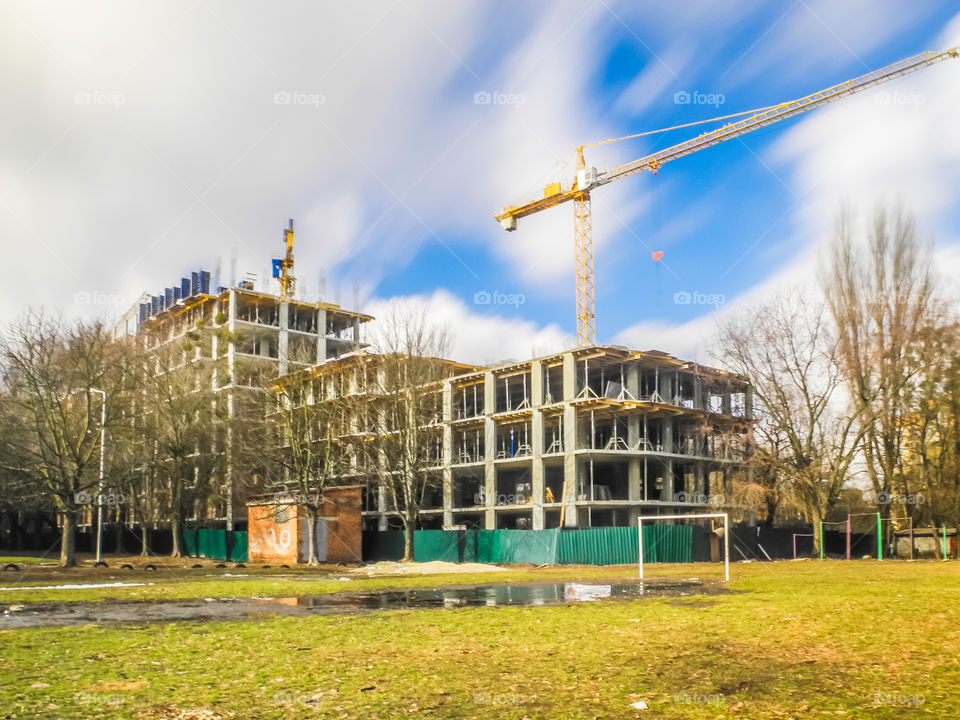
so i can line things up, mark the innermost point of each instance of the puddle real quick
(535, 594)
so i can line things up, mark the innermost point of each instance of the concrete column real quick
(569, 496)
(321, 336)
(667, 493)
(666, 385)
(700, 489)
(382, 504)
(536, 383)
(284, 338)
(748, 403)
(490, 451)
(632, 380)
(569, 377)
(634, 467)
(537, 480)
(356, 333)
(446, 413)
(232, 327)
(231, 370)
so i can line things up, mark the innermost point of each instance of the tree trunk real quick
(409, 526)
(68, 540)
(176, 529)
(312, 539)
(144, 539)
(817, 529)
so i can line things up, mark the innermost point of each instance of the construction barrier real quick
(216, 544)
(581, 546)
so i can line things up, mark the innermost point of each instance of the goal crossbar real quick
(693, 516)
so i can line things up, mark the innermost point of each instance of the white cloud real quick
(478, 337)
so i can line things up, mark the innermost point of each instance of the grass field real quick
(804, 640)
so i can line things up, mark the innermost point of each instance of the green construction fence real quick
(582, 546)
(216, 544)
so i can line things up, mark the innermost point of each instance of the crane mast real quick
(288, 282)
(587, 178)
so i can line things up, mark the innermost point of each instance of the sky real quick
(141, 141)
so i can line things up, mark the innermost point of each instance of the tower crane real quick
(283, 267)
(588, 178)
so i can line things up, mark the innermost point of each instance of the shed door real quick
(321, 527)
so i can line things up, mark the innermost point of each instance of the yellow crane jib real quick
(587, 177)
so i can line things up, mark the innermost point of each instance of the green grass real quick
(802, 640)
(27, 560)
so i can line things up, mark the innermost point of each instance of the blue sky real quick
(140, 144)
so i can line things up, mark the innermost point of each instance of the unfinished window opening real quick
(603, 481)
(603, 380)
(433, 492)
(552, 483)
(513, 392)
(553, 434)
(468, 446)
(513, 440)
(514, 521)
(514, 487)
(468, 488)
(552, 384)
(468, 401)
(258, 313)
(302, 319)
(302, 350)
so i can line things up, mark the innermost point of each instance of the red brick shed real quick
(277, 530)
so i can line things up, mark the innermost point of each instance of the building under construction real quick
(594, 436)
(267, 335)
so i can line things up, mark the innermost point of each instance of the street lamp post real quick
(103, 441)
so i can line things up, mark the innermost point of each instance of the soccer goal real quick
(726, 534)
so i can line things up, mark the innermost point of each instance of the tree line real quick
(182, 441)
(858, 381)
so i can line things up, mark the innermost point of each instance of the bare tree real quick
(931, 434)
(880, 295)
(405, 400)
(182, 417)
(52, 417)
(806, 441)
(304, 447)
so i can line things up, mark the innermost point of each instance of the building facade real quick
(587, 437)
(254, 337)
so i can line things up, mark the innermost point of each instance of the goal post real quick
(693, 516)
